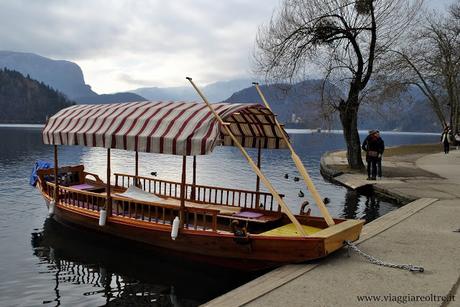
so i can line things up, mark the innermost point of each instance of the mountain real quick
(298, 106)
(215, 92)
(24, 100)
(110, 98)
(64, 76)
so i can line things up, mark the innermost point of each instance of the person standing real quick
(373, 146)
(381, 147)
(457, 140)
(445, 139)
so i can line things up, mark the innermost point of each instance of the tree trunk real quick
(456, 109)
(349, 119)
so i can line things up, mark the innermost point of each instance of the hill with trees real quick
(299, 106)
(64, 76)
(24, 100)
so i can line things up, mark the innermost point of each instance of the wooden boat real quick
(247, 229)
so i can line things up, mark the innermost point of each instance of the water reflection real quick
(350, 208)
(364, 206)
(119, 273)
(372, 209)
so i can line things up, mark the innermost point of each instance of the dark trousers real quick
(372, 167)
(446, 146)
(379, 167)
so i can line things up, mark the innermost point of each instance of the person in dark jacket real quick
(374, 146)
(445, 136)
(379, 157)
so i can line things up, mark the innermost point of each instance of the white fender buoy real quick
(175, 228)
(51, 207)
(102, 217)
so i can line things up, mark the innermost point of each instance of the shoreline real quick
(421, 232)
(22, 125)
(289, 130)
(334, 168)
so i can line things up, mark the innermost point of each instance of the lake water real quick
(43, 263)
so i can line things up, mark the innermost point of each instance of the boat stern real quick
(335, 236)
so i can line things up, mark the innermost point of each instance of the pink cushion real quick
(248, 214)
(82, 186)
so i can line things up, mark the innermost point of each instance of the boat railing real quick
(78, 198)
(201, 193)
(154, 212)
(67, 175)
(160, 213)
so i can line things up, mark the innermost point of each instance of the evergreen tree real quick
(24, 100)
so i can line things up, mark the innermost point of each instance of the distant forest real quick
(24, 100)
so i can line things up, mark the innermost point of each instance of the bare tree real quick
(407, 66)
(344, 39)
(430, 60)
(445, 62)
(450, 46)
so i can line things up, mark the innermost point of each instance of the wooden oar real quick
(259, 173)
(302, 170)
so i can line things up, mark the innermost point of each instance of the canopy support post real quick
(183, 191)
(109, 197)
(257, 177)
(251, 162)
(136, 171)
(192, 192)
(301, 168)
(56, 182)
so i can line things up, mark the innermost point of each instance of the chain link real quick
(371, 259)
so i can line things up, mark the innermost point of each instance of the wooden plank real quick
(334, 236)
(338, 228)
(261, 285)
(352, 181)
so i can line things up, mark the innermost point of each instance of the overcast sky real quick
(126, 44)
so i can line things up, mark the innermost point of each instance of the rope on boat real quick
(372, 259)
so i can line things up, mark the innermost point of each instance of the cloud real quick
(127, 44)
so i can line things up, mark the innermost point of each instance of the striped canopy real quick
(178, 128)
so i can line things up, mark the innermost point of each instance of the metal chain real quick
(371, 259)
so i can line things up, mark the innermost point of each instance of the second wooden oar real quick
(302, 170)
(259, 173)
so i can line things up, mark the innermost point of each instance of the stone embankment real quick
(425, 231)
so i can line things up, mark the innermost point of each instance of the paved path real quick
(424, 232)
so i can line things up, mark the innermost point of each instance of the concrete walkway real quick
(425, 232)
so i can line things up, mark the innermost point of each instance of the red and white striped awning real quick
(178, 128)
